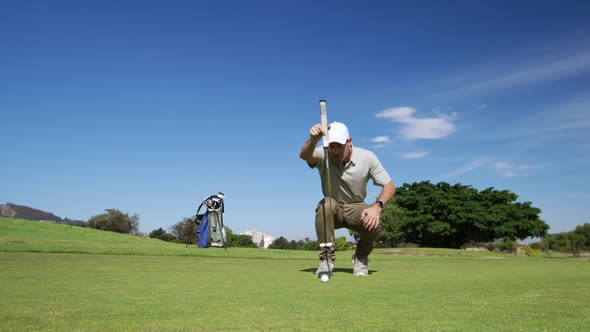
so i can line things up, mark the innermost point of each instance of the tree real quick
(300, 245)
(162, 235)
(231, 239)
(311, 245)
(114, 221)
(157, 233)
(245, 241)
(574, 242)
(185, 230)
(444, 215)
(392, 233)
(565, 242)
(584, 232)
(280, 243)
(341, 244)
(239, 240)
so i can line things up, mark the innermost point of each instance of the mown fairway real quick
(118, 282)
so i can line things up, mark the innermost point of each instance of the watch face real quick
(380, 204)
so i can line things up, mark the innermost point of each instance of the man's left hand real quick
(370, 218)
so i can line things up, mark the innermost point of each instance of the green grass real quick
(55, 277)
(30, 236)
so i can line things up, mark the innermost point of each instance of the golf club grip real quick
(324, 121)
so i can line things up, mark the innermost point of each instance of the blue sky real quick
(150, 106)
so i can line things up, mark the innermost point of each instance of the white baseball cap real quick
(338, 133)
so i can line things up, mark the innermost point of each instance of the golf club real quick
(328, 242)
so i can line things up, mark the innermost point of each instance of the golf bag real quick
(210, 224)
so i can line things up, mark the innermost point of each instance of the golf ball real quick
(325, 278)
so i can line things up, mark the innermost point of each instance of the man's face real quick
(340, 152)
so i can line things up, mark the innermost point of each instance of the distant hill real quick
(24, 212)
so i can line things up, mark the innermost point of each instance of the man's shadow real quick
(336, 269)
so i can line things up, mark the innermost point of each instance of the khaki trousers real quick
(331, 215)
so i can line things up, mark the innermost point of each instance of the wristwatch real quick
(380, 204)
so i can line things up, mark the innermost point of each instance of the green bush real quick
(341, 244)
(529, 251)
(162, 235)
(311, 245)
(506, 246)
(114, 221)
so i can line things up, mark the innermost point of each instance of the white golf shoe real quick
(361, 266)
(325, 267)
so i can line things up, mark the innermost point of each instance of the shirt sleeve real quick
(320, 154)
(378, 173)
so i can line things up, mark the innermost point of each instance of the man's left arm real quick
(371, 215)
(386, 193)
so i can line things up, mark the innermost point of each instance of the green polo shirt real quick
(349, 182)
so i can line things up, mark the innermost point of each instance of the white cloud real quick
(567, 119)
(502, 168)
(471, 166)
(549, 71)
(414, 155)
(509, 170)
(419, 128)
(569, 116)
(381, 139)
(501, 77)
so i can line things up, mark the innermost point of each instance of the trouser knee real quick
(364, 246)
(329, 204)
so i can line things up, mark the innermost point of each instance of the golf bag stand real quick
(210, 224)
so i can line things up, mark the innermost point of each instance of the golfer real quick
(350, 168)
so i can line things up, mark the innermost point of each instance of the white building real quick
(261, 239)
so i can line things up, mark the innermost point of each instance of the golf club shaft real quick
(326, 144)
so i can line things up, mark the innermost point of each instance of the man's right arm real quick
(308, 150)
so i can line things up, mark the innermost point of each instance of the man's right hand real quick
(308, 150)
(316, 132)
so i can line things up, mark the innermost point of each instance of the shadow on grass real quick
(336, 270)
